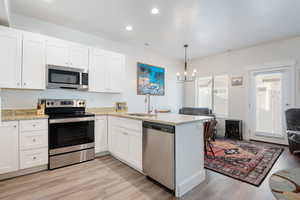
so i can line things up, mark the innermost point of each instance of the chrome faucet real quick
(147, 102)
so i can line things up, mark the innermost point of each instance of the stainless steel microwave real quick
(66, 78)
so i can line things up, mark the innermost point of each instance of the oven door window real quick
(70, 134)
(64, 77)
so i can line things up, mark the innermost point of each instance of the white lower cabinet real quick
(23, 144)
(101, 134)
(9, 148)
(125, 140)
(33, 158)
(33, 142)
(135, 149)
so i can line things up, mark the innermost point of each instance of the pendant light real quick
(186, 77)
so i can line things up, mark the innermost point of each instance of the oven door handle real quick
(67, 120)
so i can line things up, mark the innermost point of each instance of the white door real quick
(114, 73)
(9, 152)
(98, 63)
(101, 134)
(57, 53)
(11, 58)
(34, 62)
(78, 56)
(122, 144)
(272, 92)
(135, 149)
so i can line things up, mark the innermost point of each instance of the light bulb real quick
(195, 71)
(185, 73)
(177, 74)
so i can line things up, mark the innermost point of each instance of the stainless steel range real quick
(71, 132)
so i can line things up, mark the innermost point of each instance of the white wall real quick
(13, 99)
(236, 63)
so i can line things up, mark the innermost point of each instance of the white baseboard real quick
(190, 183)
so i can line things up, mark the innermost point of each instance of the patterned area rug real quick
(246, 161)
(285, 184)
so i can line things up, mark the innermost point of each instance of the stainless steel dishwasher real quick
(159, 153)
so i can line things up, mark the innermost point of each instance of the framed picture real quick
(150, 80)
(237, 81)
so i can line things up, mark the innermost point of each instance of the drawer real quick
(130, 124)
(33, 158)
(33, 125)
(33, 140)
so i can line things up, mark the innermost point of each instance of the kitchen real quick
(149, 100)
(64, 70)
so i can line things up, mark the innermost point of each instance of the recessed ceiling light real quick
(155, 11)
(129, 28)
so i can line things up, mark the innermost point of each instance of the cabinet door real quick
(57, 53)
(101, 134)
(33, 70)
(135, 149)
(9, 156)
(98, 63)
(122, 144)
(115, 73)
(78, 56)
(112, 140)
(11, 58)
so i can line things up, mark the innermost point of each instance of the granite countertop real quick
(25, 114)
(166, 118)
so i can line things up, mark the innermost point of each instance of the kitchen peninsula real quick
(125, 136)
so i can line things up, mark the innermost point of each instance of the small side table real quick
(234, 129)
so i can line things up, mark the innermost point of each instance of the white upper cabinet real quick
(106, 71)
(33, 70)
(115, 72)
(10, 58)
(78, 56)
(63, 53)
(9, 149)
(97, 70)
(57, 52)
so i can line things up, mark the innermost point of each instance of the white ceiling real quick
(208, 26)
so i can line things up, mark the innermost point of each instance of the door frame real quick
(275, 66)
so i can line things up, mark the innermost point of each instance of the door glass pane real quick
(269, 103)
(205, 92)
(221, 95)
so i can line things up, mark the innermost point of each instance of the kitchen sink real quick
(141, 114)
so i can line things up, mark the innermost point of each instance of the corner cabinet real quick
(106, 70)
(9, 144)
(125, 140)
(11, 58)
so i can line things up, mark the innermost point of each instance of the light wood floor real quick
(107, 178)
